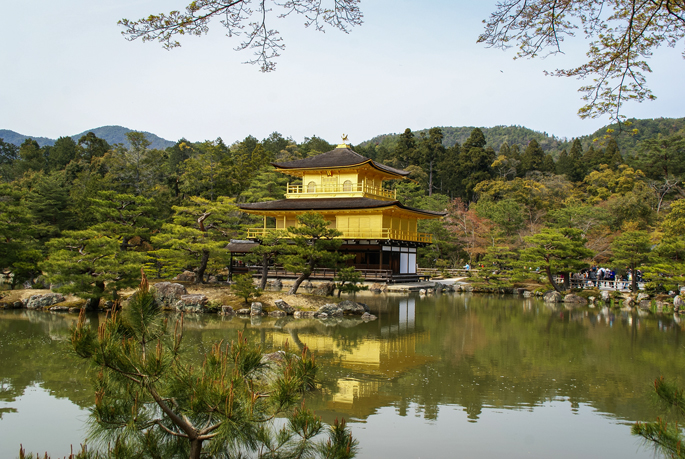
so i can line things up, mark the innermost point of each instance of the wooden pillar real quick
(230, 267)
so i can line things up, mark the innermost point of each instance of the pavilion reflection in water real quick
(372, 360)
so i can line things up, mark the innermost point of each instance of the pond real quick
(435, 376)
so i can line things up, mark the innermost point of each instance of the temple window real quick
(347, 185)
(311, 187)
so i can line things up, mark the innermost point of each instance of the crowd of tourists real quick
(600, 277)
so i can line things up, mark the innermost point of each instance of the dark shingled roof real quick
(241, 246)
(339, 157)
(319, 204)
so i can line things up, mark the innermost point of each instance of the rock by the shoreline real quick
(277, 314)
(256, 309)
(275, 285)
(552, 297)
(378, 288)
(326, 289)
(642, 296)
(527, 294)
(304, 314)
(330, 310)
(575, 299)
(367, 317)
(605, 295)
(677, 303)
(283, 306)
(43, 301)
(243, 312)
(59, 309)
(226, 310)
(186, 276)
(191, 303)
(350, 307)
(167, 294)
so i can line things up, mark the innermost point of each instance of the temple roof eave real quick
(339, 158)
(333, 205)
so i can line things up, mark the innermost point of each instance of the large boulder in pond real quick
(285, 307)
(350, 307)
(330, 309)
(552, 297)
(168, 293)
(191, 303)
(43, 301)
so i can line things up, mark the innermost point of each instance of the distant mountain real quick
(112, 134)
(495, 136)
(17, 139)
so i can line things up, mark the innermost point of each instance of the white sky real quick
(66, 68)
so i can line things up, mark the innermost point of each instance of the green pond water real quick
(452, 375)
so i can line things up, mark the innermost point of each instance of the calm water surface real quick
(434, 377)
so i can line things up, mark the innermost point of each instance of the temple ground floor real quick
(379, 261)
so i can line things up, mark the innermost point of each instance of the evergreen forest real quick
(84, 214)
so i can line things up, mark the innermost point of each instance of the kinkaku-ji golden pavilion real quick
(347, 189)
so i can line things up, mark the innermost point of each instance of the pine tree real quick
(152, 402)
(19, 248)
(631, 249)
(665, 437)
(197, 237)
(348, 280)
(244, 287)
(266, 253)
(106, 257)
(313, 246)
(556, 251)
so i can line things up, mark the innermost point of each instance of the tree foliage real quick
(245, 18)
(153, 402)
(624, 35)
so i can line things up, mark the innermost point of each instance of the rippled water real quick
(440, 376)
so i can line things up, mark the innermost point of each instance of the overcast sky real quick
(66, 68)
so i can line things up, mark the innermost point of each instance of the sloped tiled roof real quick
(319, 204)
(339, 157)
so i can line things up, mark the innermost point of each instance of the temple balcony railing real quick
(346, 189)
(382, 234)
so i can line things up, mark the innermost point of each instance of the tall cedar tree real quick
(474, 164)
(151, 402)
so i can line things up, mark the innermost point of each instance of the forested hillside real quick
(628, 136)
(87, 214)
